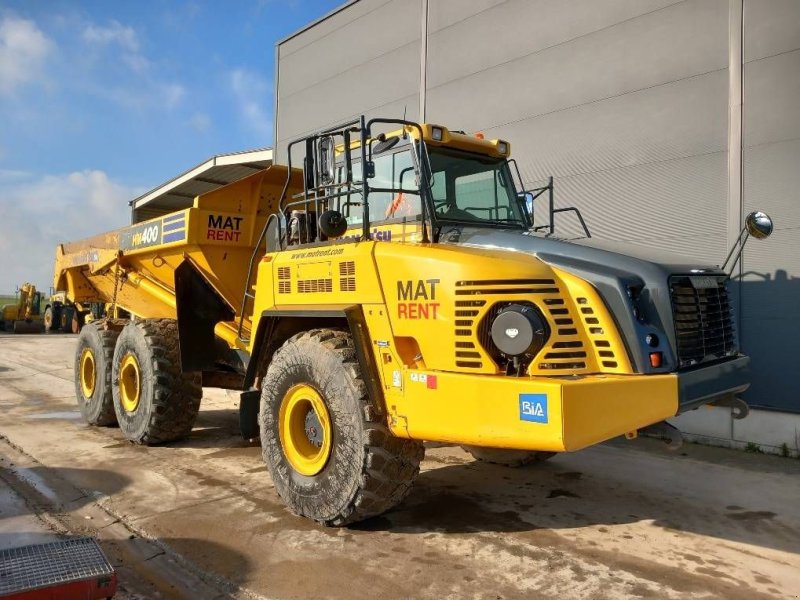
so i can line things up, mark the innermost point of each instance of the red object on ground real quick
(73, 569)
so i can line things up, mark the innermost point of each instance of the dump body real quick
(134, 267)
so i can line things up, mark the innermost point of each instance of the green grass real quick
(7, 299)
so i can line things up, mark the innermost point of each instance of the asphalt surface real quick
(199, 518)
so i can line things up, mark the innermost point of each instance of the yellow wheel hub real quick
(88, 372)
(305, 430)
(130, 384)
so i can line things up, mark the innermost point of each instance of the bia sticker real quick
(533, 408)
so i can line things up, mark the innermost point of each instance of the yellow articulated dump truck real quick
(393, 289)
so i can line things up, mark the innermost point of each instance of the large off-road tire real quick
(325, 442)
(154, 401)
(508, 458)
(51, 319)
(93, 383)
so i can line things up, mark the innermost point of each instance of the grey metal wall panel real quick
(672, 205)
(667, 122)
(341, 68)
(376, 83)
(465, 40)
(770, 289)
(772, 98)
(679, 41)
(771, 27)
(626, 107)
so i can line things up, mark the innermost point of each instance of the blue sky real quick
(101, 101)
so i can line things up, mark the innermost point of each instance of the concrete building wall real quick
(664, 121)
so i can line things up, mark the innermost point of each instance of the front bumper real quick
(527, 413)
(549, 413)
(703, 385)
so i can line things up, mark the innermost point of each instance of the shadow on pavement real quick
(477, 497)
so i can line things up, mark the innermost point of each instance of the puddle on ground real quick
(61, 414)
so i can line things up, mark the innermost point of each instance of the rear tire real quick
(508, 458)
(93, 387)
(364, 470)
(50, 319)
(155, 402)
(77, 321)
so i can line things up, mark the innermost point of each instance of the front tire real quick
(325, 442)
(93, 383)
(508, 458)
(155, 402)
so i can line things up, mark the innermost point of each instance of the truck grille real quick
(703, 323)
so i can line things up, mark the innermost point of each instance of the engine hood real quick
(612, 268)
(601, 252)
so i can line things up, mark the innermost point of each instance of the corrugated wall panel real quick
(626, 107)
(342, 68)
(770, 291)
(469, 37)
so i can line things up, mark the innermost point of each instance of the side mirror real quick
(758, 224)
(327, 160)
(332, 224)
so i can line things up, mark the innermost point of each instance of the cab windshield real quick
(472, 188)
(466, 188)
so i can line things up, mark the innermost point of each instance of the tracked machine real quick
(24, 316)
(394, 289)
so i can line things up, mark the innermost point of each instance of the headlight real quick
(502, 147)
(519, 330)
(437, 134)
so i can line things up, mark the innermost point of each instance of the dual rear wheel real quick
(128, 373)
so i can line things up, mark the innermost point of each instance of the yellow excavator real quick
(25, 315)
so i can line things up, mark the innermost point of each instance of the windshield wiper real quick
(481, 222)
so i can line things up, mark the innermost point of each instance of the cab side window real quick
(392, 171)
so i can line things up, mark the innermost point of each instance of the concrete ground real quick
(200, 519)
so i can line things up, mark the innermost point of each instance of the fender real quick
(275, 326)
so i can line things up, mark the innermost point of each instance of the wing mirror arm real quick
(758, 225)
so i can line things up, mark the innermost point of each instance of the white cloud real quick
(113, 33)
(173, 93)
(200, 122)
(23, 51)
(37, 214)
(252, 94)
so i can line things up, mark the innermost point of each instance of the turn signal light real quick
(479, 135)
(656, 358)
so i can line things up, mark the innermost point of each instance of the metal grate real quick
(284, 277)
(347, 268)
(703, 323)
(347, 280)
(307, 286)
(45, 565)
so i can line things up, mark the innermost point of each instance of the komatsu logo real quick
(141, 236)
(148, 235)
(533, 408)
